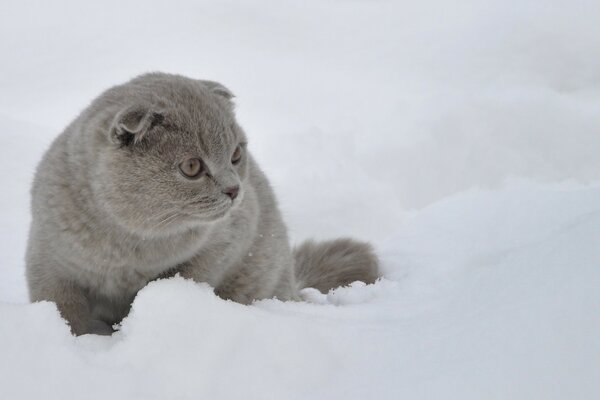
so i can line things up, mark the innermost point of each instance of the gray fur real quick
(111, 211)
(334, 263)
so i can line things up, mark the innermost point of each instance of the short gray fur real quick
(111, 210)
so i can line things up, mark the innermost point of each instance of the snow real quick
(461, 139)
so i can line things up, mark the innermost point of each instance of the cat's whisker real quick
(166, 221)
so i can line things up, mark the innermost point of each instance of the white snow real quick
(463, 139)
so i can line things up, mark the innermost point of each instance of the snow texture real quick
(461, 138)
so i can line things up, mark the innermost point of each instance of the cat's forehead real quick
(209, 122)
(196, 118)
(204, 132)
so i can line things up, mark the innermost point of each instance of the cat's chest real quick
(124, 266)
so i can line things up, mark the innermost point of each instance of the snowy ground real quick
(462, 139)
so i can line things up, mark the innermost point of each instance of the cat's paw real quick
(97, 327)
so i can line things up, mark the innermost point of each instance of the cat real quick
(155, 178)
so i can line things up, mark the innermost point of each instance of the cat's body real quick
(153, 179)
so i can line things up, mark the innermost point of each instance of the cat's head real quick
(173, 157)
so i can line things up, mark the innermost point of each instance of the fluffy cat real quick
(155, 178)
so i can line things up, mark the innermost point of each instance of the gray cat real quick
(155, 178)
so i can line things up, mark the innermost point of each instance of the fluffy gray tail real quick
(334, 263)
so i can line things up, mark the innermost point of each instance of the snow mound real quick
(487, 294)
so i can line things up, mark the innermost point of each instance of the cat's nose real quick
(232, 191)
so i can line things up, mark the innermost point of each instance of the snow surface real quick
(461, 138)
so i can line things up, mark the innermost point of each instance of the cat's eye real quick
(191, 168)
(237, 155)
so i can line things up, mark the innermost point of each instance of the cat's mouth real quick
(199, 211)
(208, 204)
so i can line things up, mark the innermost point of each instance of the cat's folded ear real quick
(218, 89)
(132, 123)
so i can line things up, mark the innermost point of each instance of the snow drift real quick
(488, 295)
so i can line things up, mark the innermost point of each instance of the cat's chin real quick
(213, 216)
(195, 219)
(186, 223)
(179, 223)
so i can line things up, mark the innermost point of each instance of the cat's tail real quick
(327, 265)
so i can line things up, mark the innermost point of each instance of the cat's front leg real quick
(226, 286)
(71, 301)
